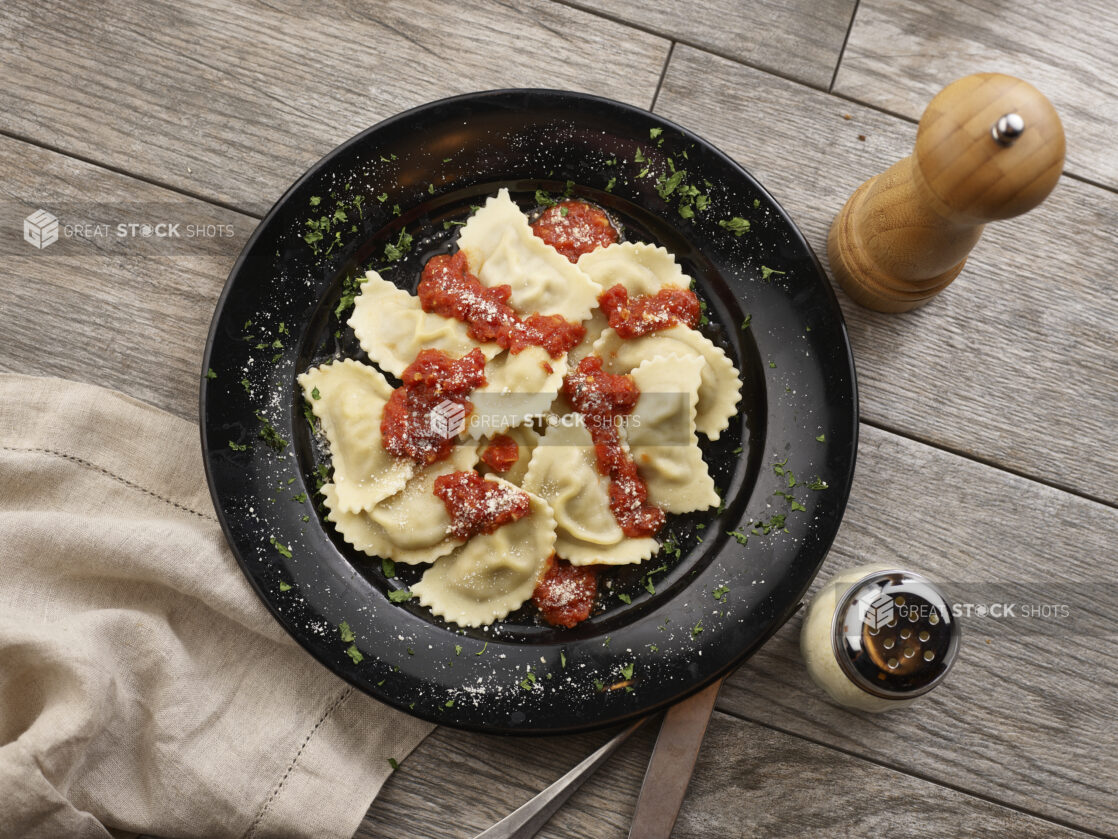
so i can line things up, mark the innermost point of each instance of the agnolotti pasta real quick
(411, 526)
(564, 471)
(661, 435)
(579, 493)
(349, 398)
(501, 249)
(720, 390)
(392, 327)
(493, 573)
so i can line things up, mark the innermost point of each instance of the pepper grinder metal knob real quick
(989, 147)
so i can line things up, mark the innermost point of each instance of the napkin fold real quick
(143, 686)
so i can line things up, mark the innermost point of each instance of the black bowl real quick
(725, 580)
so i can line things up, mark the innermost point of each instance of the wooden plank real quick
(1027, 715)
(800, 40)
(1016, 362)
(130, 314)
(234, 101)
(901, 54)
(749, 781)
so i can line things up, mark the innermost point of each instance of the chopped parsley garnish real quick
(449, 224)
(736, 225)
(458, 649)
(316, 200)
(563, 659)
(301, 498)
(346, 633)
(431, 189)
(737, 450)
(237, 447)
(720, 593)
(767, 272)
(210, 374)
(483, 649)
(382, 197)
(648, 586)
(742, 538)
(284, 586)
(529, 681)
(269, 434)
(394, 251)
(610, 185)
(563, 211)
(400, 595)
(393, 763)
(697, 629)
(796, 505)
(354, 654)
(388, 567)
(449, 703)
(247, 385)
(779, 467)
(653, 133)
(316, 394)
(351, 287)
(772, 364)
(624, 598)
(280, 547)
(639, 157)
(817, 484)
(545, 200)
(745, 323)
(627, 670)
(822, 438)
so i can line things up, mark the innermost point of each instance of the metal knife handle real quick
(672, 762)
(525, 821)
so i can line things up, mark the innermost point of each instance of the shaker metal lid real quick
(894, 634)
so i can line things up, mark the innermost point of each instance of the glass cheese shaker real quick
(876, 637)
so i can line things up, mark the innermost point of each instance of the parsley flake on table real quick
(393, 763)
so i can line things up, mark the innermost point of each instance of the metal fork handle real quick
(525, 821)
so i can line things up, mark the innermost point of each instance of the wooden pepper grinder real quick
(988, 147)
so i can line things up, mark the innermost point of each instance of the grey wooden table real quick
(989, 438)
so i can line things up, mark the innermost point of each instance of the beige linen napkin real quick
(143, 686)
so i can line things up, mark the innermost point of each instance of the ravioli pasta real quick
(387, 507)
(493, 573)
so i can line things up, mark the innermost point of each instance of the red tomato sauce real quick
(408, 426)
(574, 228)
(476, 505)
(501, 454)
(601, 398)
(449, 289)
(636, 316)
(565, 594)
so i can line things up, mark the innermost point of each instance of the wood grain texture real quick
(129, 314)
(800, 40)
(1026, 716)
(749, 781)
(1017, 362)
(233, 101)
(899, 55)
